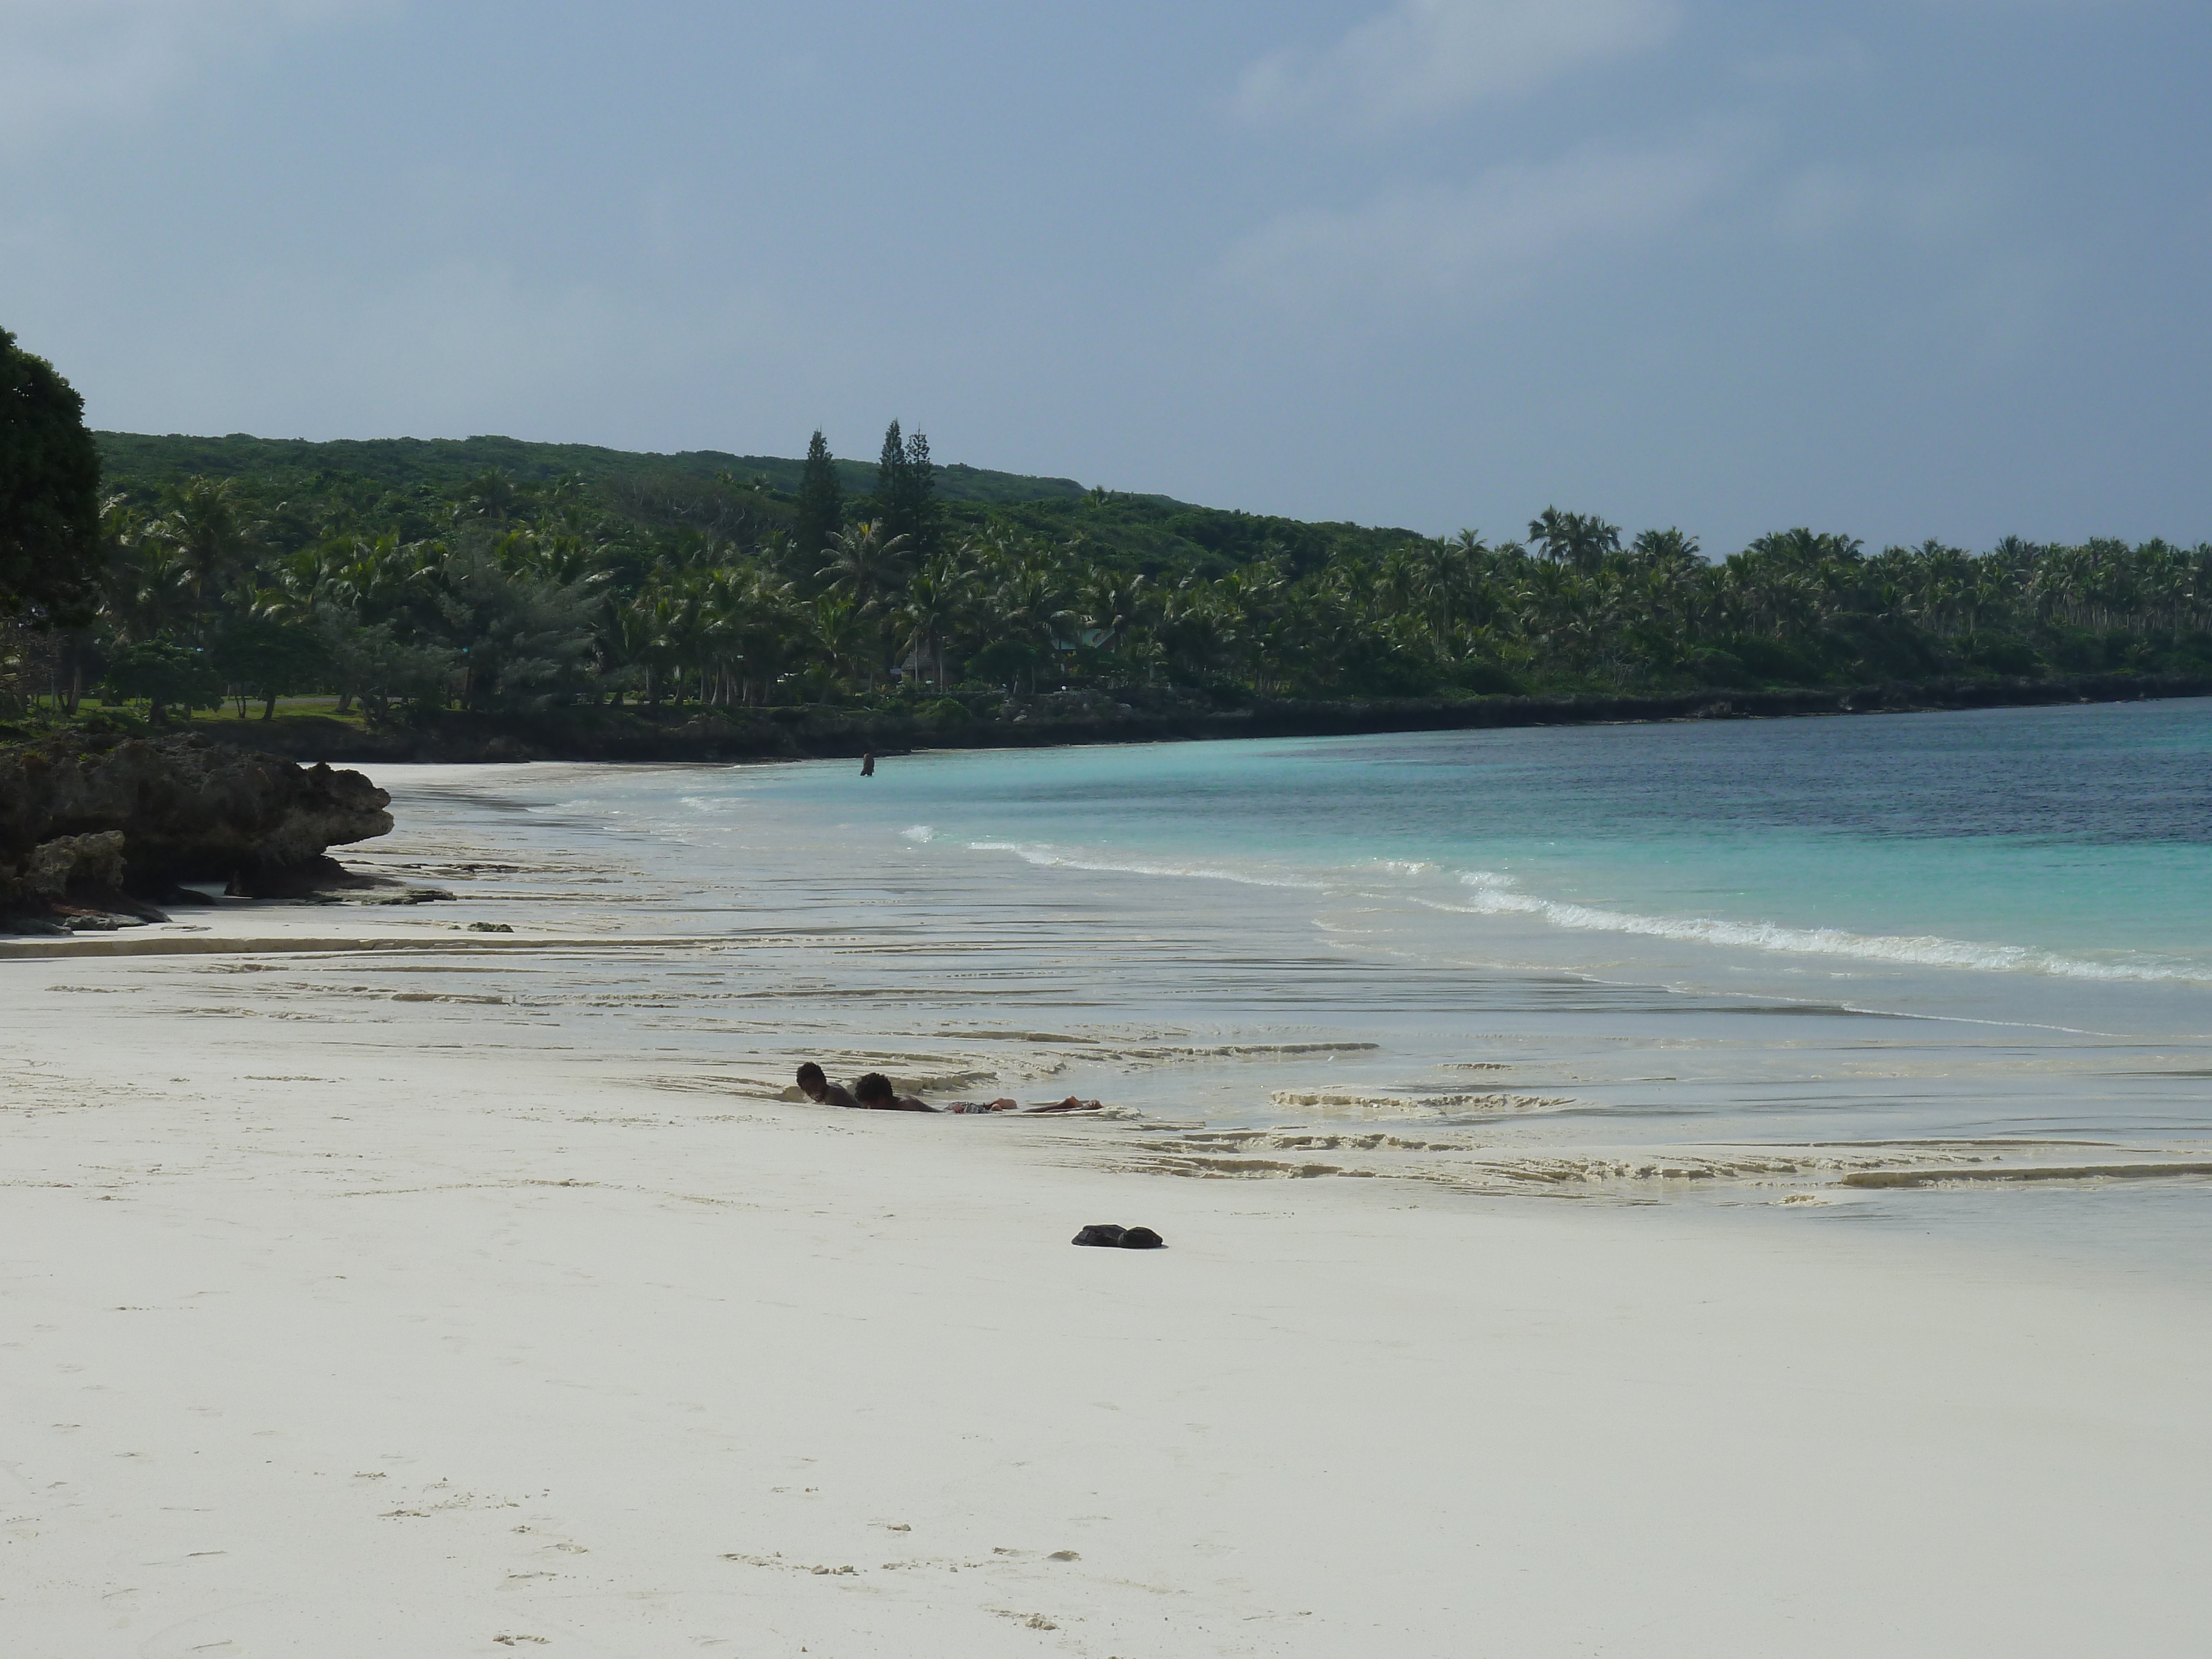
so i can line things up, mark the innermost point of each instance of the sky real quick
(1897, 268)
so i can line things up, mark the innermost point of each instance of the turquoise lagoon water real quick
(2070, 845)
(1754, 961)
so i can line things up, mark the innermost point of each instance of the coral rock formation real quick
(90, 817)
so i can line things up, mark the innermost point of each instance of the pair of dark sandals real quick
(1110, 1237)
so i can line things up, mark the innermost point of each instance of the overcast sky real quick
(1899, 268)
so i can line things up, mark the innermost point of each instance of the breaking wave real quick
(1492, 894)
(1046, 856)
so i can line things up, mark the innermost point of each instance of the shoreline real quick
(1068, 720)
(457, 1293)
(440, 1336)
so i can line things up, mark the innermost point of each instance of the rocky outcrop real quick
(91, 818)
(55, 866)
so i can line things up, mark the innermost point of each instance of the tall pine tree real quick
(821, 503)
(906, 489)
(922, 493)
(890, 481)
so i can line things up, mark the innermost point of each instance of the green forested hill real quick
(407, 575)
(143, 460)
(301, 492)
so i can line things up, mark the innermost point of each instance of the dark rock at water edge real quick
(322, 880)
(91, 825)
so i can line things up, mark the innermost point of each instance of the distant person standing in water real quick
(868, 764)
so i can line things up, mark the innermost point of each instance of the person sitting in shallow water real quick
(875, 1092)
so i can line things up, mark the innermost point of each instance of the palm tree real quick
(845, 638)
(1029, 607)
(670, 611)
(148, 586)
(1197, 632)
(864, 564)
(203, 528)
(1579, 539)
(770, 632)
(932, 601)
(491, 496)
(1255, 596)
(1114, 606)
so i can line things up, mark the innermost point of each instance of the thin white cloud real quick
(1482, 241)
(65, 61)
(1422, 60)
(1947, 197)
(1837, 57)
(1952, 218)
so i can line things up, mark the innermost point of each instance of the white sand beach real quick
(372, 1300)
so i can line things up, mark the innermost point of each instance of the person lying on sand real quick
(875, 1093)
(820, 1090)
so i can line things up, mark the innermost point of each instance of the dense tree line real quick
(495, 593)
(49, 491)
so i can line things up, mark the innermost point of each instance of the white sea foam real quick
(1492, 894)
(918, 832)
(1372, 1101)
(1046, 856)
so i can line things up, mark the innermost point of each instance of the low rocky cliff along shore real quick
(95, 831)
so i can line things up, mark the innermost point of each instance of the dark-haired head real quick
(872, 1088)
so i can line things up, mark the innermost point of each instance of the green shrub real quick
(164, 673)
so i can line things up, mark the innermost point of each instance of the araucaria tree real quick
(821, 503)
(50, 540)
(906, 490)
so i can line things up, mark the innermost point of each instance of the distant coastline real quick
(1132, 715)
